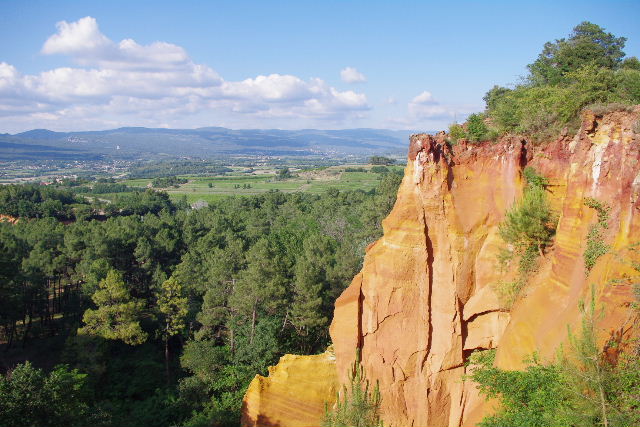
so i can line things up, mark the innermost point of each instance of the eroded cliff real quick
(426, 296)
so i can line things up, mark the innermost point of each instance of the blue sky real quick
(84, 65)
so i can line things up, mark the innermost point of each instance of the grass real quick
(314, 181)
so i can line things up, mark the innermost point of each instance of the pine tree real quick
(174, 306)
(359, 406)
(117, 314)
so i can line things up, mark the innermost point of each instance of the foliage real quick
(581, 388)
(258, 276)
(177, 167)
(596, 247)
(529, 222)
(283, 174)
(587, 45)
(528, 228)
(173, 305)
(380, 169)
(569, 75)
(456, 132)
(36, 201)
(168, 181)
(586, 372)
(357, 407)
(29, 397)
(476, 128)
(532, 397)
(380, 160)
(117, 315)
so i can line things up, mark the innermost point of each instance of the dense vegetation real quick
(176, 167)
(527, 229)
(157, 314)
(359, 405)
(168, 181)
(37, 201)
(587, 69)
(582, 387)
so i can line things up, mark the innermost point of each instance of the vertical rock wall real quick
(425, 298)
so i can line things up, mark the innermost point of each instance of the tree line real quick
(160, 314)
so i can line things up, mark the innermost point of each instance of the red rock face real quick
(425, 297)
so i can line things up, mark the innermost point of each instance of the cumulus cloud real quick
(424, 106)
(129, 83)
(351, 75)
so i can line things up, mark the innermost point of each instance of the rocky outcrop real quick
(426, 296)
(294, 394)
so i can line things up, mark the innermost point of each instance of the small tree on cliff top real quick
(360, 406)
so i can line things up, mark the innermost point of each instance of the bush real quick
(380, 169)
(29, 397)
(359, 406)
(582, 388)
(380, 160)
(476, 128)
(568, 75)
(528, 227)
(456, 132)
(596, 247)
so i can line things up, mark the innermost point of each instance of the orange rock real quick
(426, 291)
(294, 394)
(425, 297)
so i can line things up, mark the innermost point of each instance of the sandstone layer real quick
(426, 296)
(294, 394)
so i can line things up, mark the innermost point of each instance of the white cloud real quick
(424, 106)
(127, 83)
(351, 75)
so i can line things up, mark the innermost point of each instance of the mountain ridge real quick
(132, 142)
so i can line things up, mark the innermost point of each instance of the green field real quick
(317, 181)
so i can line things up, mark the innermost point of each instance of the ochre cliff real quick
(294, 394)
(425, 298)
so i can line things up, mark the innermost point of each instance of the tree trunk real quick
(27, 329)
(166, 355)
(253, 323)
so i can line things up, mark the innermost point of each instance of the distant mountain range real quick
(139, 142)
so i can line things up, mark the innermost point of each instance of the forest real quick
(147, 312)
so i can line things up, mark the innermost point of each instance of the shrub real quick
(596, 247)
(527, 228)
(380, 169)
(476, 128)
(604, 108)
(360, 406)
(528, 398)
(529, 222)
(568, 75)
(456, 132)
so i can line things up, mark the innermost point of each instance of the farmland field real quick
(210, 188)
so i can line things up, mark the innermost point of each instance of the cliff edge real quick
(426, 297)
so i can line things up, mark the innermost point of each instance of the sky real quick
(91, 65)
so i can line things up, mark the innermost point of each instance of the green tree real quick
(588, 44)
(476, 128)
(380, 160)
(174, 306)
(359, 406)
(117, 314)
(456, 132)
(29, 397)
(530, 221)
(534, 397)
